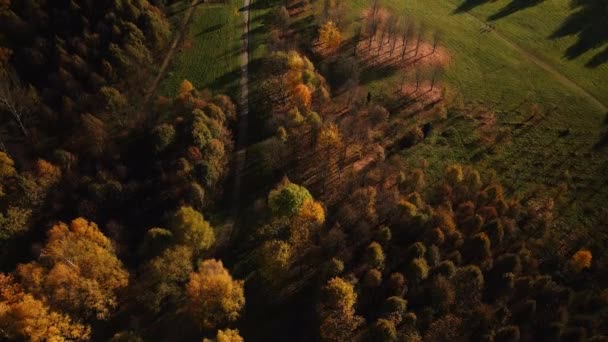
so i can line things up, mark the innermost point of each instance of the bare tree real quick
(16, 100)
(392, 30)
(356, 39)
(421, 33)
(437, 74)
(408, 35)
(437, 37)
(418, 76)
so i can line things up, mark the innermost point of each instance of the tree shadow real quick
(588, 23)
(512, 7)
(468, 5)
(210, 29)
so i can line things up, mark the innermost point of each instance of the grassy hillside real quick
(210, 54)
(537, 28)
(495, 70)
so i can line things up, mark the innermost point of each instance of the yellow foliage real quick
(228, 335)
(329, 34)
(295, 61)
(185, 87)
(23, 316)
(81, 273)
(581, 259)
(312, 211)
(46, 172)
(7, 166)
(302, 95)
(309, 217)
(409, 207)
(213, 296)
(330, 137)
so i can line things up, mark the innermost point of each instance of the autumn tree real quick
(190, 228)
(337, 311)
(213, 296)
(23, 317)
(78, 271)
(581, 260)
(163, 278)
(226, 335)
(274, 258)
(329, 35)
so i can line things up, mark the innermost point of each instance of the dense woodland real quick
(116, 213)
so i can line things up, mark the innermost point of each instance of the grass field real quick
(485, 70)
(209, 57)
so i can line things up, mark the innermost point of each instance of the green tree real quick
(163, 278)
(189, 227)
(287, 198)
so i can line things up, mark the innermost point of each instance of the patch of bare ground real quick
(379, 51)
(425, 92)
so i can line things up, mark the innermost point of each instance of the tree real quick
(24, 317)
(581, 260)
(302, 96)
(213, 296)
(330, 35)
(7, 171)
(421, 33)
(418, 270)
(287, 198)
(190, 228)
(337, 311)
(384, 331)
(468, 283)
(283, 18)
(226, 335)
(185, 87)
(78, 271)
(163, 278)
(274, 259)
(375, 256)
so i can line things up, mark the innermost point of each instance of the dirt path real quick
(182, 30)
(241, 141)
(563, 79)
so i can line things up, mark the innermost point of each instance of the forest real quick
(303, 170)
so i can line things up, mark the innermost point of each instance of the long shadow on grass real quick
(512, 7)
(468, 5)
(588, 23)
(260, 5)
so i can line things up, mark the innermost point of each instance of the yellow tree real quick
(337, 310)
(78, 273)
(329, 34)
(310, 216)
(226, 335)
(185, 87)
(274, 260)
(213, 296)
(7, 171)
(23, 317)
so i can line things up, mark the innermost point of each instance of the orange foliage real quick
(23, 316)
(185, 87)
(47, 173)
(330, 35)
(581, 259)
(302, 95)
